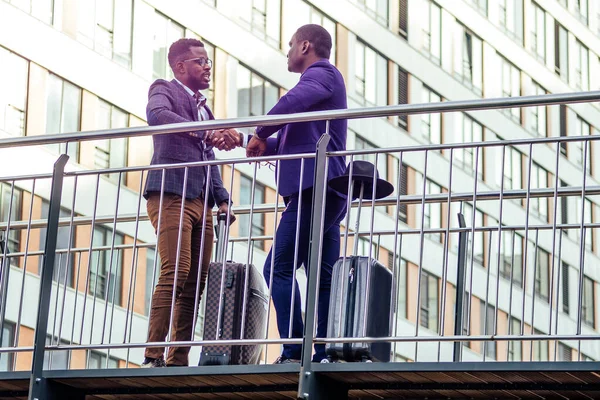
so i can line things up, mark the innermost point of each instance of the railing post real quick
(460, 287)
(306, 375)
(38, 388)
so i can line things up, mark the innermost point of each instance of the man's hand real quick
(224, 209)
(225, 139)
(256, 147)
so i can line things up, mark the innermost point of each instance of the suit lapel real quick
(191, 102)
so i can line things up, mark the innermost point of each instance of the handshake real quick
(229, 139)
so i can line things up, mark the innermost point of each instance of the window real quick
(487, 322)
(563, 127)
(11, 203)
(403, 19)
(511, 18)
(371, 71)
(256, 95)
(480, 5)
(561, 51)
(262, 18)
(47, 11)
(513, 167)
(432, 31)
(151, 278)
(576, 149)
(166, 32)
(402, 288)
(103, 273)
(13, 93)
(512, 257)
(429, 301)
(539, 180)
(538, 115)
(476, 240)
(588, 311)
(540, 348)
(99, 361)
(542, 273)
(581, 10)
(361, 143)
(111, 153)
(8, 338)
(402, 96)
(64, 261)
(56, 359)
(515, 347)
(468, 59)
(63, 113)
(106, 26)
(581, 73)
(376, 9)
(396, 169)
(565, 287)
(431, 124)
(258, 219)
(469, 158)
(511, 87)
(564, 353)
(537, 31)
(317, 17)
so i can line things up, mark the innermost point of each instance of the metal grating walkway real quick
(477, 380)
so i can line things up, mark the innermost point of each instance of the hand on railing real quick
(256, 147)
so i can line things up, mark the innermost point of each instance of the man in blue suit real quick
(321, 87)
(171, 102)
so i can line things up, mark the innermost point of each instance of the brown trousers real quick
(187, 271)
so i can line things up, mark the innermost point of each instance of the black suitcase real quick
(236, 308)
(361, 289)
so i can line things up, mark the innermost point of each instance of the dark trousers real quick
(187, 271)
(283, 284)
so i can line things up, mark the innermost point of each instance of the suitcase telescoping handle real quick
(221, 231)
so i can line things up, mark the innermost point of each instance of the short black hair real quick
(180, 49)
(318, 37)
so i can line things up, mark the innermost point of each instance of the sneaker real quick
(285, 360)
(154, 362)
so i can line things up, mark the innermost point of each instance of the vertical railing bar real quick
(130, 328)
(422, 244)
(558, 305)
(110, 270)
(273, 247)
(535, 268)
(296, 249)
(510, 290)
(26, 258)
(178, 254)
(76, 285)
(553, 255)
(373, 197)
(133, 272)
(460, 286)
(156, 250)
(446, 255)
(499, 254)
(473, 213)
(203, 244)
(487, 294)
(247, 274)
(87, 362)
(396, 271)
(68, 262)
(346, 235)
(526, 239)
(90, 266)
(320, 180)
(37, 384)
(582, 250)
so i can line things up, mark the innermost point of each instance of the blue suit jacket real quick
(321, 87)
(169, 103)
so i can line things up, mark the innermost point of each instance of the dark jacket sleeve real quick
(315, 85)
(161, 106)
(218, 192)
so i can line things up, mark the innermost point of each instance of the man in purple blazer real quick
(321, 87)
(171, 102)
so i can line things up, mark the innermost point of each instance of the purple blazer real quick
(321, 87)
(169, 103)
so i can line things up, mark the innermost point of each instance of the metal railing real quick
(512, 283)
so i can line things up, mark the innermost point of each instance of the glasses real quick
(201, 61)
(269, 164)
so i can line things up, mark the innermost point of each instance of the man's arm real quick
(160, 109)
(315, 85)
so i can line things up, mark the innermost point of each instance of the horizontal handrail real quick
(368, 112)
